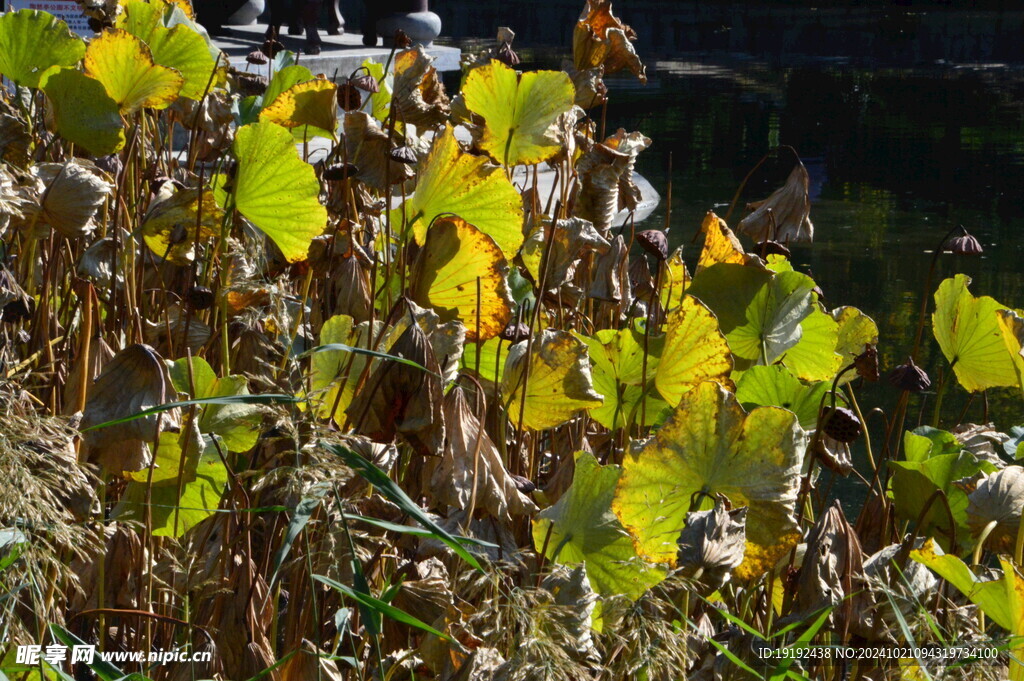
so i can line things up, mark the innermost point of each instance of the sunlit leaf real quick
(581, 528)
(617, 359)
(1011, 327)
(459, 272)
(695, 351)
(776, 386)
(519, 111)
(277, 190)
(170, 227)
(125, 66)
(83, 112)
(720, 244)
(31, 42)
(237, 425)
(710, 446)
(452, 181)
(199, 499)
(814, 357)
(675, 279)
(334, 371)
(856, 332)
(559, 385)
(967, 329)
(312, 103)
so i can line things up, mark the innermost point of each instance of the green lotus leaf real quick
(914, 481)
(1001, 598)
(776, 386)
(335, 374)
(172, 514)
(168, 459)
(581, 529)
(770, 317)
(695, 351)
(452, 181)
(237, 425)
(461, 274)
(967, 329)
(125, 66)
(710, 446)
(83, 112)
(1011, 327)
(519, 111)
(32, 42)
(277, 190)
(491, 362)
(617, 365)
(559, 385)
(185, 51)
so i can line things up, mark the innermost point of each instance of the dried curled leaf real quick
(72, 195)
(418, 96)
(600, 170)
(572, 239)
(712, 545)
(998, 498)
(470, 472)
(601, 39)
(369, 150)
(788, 209)
(133, 381)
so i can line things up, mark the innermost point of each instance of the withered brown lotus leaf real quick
(370, 150)
(14, 140)
(575, 601)
(998, 498)
(15, 304)
(125, 565)
(211, 118)
(350, 280)
(85, 369)
(610, 273)
(588, 83)
(447, 339)
(425, 593)
(133, 381)
(98, 262)
(398, 399)
(601, 39)
(832, 573)
(833, 455)
(311, 662)
(73, 193)
(470, 472)
(982, 440)
(655, 242)
(712, 544)
(418, 97)
(599, 172)
(12, 199)
(156, 332)
(571, 240)
(789, 207)
(631, 144)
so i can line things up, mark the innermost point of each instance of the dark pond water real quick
(897, 155)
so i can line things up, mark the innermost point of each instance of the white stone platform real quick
(341, 54)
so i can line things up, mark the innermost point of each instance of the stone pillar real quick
(384, 17)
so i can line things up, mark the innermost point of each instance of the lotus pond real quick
(397, 413)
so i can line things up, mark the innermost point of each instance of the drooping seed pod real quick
(654, 242)
(402, 39)
(507, 55)
(910, 377)
(257, 58)
(965, 244)
(271, 47)
(866, 363)
(841, 424)
(199, 298)
(338, 171)
(349, 98)
(403, 155)
(514, 333)
(366, 83)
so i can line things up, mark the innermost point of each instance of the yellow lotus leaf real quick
(277, 190)
(675, 279)
(559, 385)
(446, 273)
(313, 103)
(83, 112)
(519, 112)
(125, 66)
(1011, 326)
(334, 374)
(695, 351)
(967, 329)
(456, 182)
(710, 446)
(33, 42)
(720, 244)
(856, 332)
(170, 227)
